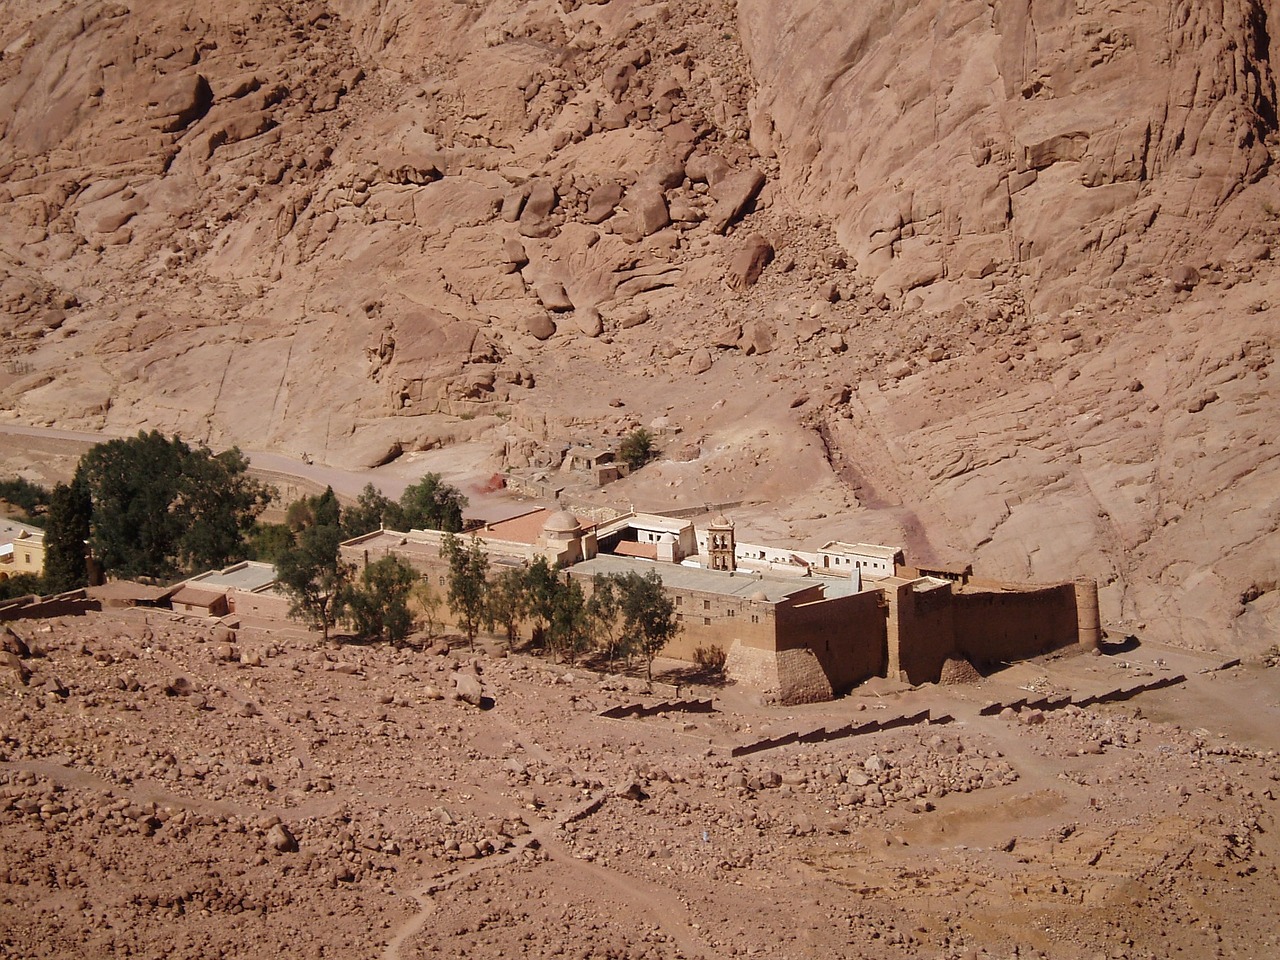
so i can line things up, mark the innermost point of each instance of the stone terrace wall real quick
(71, 604)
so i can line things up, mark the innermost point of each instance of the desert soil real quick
(168, 789)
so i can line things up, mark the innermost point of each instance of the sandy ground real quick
(167, 790)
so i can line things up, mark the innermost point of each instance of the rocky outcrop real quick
(1066, 144)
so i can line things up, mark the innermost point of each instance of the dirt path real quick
(424, 894)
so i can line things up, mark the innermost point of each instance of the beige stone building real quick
(21, 549)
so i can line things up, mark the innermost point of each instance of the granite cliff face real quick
(1076, 142)
(990, 279)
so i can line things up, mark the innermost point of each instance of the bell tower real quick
(720, 545)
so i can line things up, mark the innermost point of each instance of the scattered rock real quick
(749, 262)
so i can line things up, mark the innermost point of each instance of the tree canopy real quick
(648, 614)
(159, 508)
(468, 576)
(636, 448)
(377, 605)
(65, 539)
(432, 504)
(32, 499)
(313, 576)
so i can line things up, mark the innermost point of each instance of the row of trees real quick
(626, 615)
(155, 507)
(325, 590)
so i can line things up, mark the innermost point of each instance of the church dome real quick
(721, 521)
(562, 521)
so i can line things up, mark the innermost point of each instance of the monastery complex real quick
(798, 626)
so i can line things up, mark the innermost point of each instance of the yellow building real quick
(21, 549)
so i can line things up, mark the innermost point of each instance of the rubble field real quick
(170, 788)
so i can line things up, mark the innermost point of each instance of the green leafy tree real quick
(506, 603)
(269, 540)
(637, 448)
(468, 574)
(542, 581)
(66, 537)
(21, 585)
(30, 498)
(569, 633)
(648, 614)
(378, 604)
(314, 577)
(432, 504)
(320, 510)
(160, 508)
(219, 504)
(602, 609)
(428, 604)
(372, 511)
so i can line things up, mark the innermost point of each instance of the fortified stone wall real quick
(921, 631)
(1009, 625)
(787, 676)
(846, 634)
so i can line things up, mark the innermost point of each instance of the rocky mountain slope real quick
(991, 280)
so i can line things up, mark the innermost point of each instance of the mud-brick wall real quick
(921, 632)
(268, 605)
(1015, 624)
(846, 634)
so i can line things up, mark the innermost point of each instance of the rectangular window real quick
(679, 601)
(706, 604)
(706, 621)
(755, 618)
(731, 613)
(680, 617)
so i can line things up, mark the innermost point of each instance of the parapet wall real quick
(72, 604)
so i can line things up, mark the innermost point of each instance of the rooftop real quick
(196, 597)
(248, 576)
(863, 549)
(703, 580)
(13, 530)
(526, 528)
(644, 521)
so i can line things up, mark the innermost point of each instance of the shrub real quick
(710, 658)
(636, 448)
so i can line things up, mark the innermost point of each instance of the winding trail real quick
(663, 907)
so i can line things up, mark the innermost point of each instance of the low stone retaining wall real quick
(1057, 703)
(825, 735)
(72, 604)
(667, 706)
